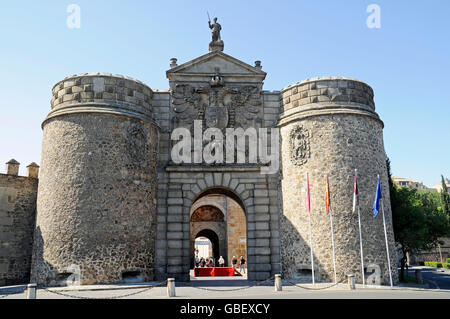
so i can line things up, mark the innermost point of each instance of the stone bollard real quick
(419, 278)
(30, 293)
(278, 283)
(171, 287)
(351, 282)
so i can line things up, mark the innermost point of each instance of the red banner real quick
(214, 271)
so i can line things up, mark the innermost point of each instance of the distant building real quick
(204, 247)
(409, 183)
(438, 186)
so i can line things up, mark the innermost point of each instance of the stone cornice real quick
(178, 70)
(214, 168)
(320, 109)
(104, 108)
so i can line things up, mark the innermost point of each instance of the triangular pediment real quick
(206, 64)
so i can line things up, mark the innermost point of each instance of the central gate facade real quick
(256, 192)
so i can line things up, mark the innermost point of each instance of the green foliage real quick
(418, 221)
(436, 264)
(445, 197)
(447, 260)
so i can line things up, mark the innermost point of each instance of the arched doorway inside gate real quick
(213, 251)
(219, 216)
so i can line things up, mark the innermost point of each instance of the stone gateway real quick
(113, 205)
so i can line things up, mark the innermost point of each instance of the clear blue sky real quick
(406, 61)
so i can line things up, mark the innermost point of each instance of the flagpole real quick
(310, 230)
(332, 244)
(361, 248)
(387, 246)
(310, 243)
(356, 203)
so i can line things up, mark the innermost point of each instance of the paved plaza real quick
(232, 288)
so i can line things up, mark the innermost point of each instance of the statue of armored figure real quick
(216, 43)
(215, 30)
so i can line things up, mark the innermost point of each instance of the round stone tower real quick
(329, 126)
(96, 199)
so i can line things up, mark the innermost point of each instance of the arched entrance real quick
(253, 192)
(213, 239)
(220, 218)
(208, 221)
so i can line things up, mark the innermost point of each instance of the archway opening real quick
(221, 219)
(207, 245)
(203, 248)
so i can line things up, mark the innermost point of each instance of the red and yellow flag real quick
(327, 197)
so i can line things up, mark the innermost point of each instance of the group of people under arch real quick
(211, 262)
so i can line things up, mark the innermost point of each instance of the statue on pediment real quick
(216, 44)
(215, 30)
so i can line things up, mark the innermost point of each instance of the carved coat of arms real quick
(216, 113)
(219, 106)
(299, 145)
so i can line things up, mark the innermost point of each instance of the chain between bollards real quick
(171, 287)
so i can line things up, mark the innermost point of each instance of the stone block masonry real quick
(17, 217)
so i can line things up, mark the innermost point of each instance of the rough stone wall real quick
(332, 136)
(17, 217)
(97, 191)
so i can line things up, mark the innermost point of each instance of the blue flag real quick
(378, 196)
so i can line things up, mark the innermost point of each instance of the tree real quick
(417, 220)
(445, 197)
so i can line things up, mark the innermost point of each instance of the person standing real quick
(197, 262)
(234, 262)
(242, 266)
(221, 261)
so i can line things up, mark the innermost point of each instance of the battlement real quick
(327, 90)
(12, 169)
(96, 87)
(101, 93)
